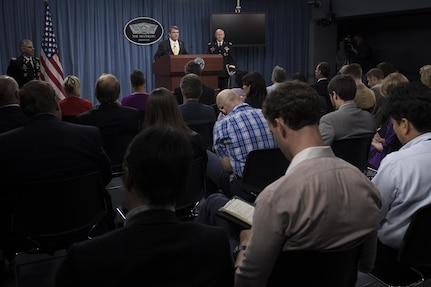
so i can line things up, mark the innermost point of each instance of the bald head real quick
(107, 89)
(9, 90)
(226, 100)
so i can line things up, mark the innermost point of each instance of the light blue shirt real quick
(404, 182)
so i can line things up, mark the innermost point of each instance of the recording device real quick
(348, 43)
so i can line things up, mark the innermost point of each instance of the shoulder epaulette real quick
(13, 59)
(209, 43)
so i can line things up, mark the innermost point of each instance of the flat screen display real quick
(242, 29)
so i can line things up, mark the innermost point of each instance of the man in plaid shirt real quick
(240, 131)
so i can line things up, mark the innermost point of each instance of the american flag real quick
(51, 69)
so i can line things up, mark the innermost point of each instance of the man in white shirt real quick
(279, 75)
(403, 176)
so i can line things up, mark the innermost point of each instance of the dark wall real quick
(403, 39)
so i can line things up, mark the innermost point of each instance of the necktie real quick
(175, 49)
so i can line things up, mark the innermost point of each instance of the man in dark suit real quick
(117, 124)
(26, 67)
(47, 148)
(224, 48)
(11, 115)
(321, 86)
(172, 46)
(198, 117)
(153, 240)
(208, 95)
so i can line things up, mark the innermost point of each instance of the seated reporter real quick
(46, 148)
(153, 241)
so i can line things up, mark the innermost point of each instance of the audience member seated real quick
(253, 83)
(365, 98)
(47, 148)
(385, 140)
(73, 105)
(11, 115)
(153, 240)
(387, 68)
(163, 109)
(239, 74)
(298, 212)
(242, 130)
(278, 76)
(403, 176)
(208, 93)
(199, 117)
(298, 76)
(321, 86)
(348, 120)
(374, 79)
(117, 124)
(138, 99)
(425, 72)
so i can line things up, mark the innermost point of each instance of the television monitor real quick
(242, 29)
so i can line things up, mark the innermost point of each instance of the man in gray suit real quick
(347, 121)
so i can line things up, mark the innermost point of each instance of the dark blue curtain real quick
(91, 39)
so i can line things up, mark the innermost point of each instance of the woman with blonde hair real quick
(385, 140)
(73, 105)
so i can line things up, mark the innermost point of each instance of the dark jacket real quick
(152, 243)
(164, 48)
(23, 71)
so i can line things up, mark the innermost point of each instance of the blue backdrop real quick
(91, 40)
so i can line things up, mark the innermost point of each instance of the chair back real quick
(195, 190)
(262, 167)
(70, 119)
(206, 131)
(335, 268)
(55, 213)
(411, 264)
(354, 150)
(116, 147)
(415, 250)
(141, 119)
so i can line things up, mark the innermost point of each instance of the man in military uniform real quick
(220, 46)
(26, 67)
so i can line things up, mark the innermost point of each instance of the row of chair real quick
(56, 224)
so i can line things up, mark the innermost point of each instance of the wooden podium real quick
(169, 69)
